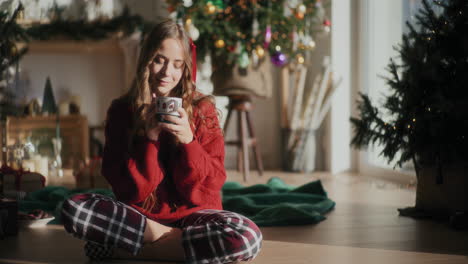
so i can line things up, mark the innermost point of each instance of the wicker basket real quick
(253, 81)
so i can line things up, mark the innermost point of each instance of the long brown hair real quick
(140, 93)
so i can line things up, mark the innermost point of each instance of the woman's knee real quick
(73, 207)
(231, 237)
(242, 234)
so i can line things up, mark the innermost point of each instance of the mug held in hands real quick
(167, 106)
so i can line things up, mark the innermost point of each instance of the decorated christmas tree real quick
(426, 118)
(243, 32)
(10, 55)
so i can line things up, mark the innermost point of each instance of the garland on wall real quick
(122, 25)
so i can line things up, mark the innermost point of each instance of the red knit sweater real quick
(186, 177)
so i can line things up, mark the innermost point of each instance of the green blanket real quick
(272, 204)
(278, 204)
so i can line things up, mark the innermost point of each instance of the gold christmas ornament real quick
(188, 22)
(300, 59)
(260, 52)
(278, 48)
(220, 43)
(210, 8)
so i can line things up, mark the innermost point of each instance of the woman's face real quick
(167, 67)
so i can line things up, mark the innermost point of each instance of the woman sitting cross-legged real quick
(166, 173)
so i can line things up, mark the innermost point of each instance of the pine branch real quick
(365, 128)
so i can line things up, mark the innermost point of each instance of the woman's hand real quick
(180, 126)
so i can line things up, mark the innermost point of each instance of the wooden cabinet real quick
(41, 129)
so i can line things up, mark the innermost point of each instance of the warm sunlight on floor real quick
(363, 228)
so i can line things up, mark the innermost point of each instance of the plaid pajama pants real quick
(208, 236)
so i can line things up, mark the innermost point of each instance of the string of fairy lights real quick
(438, 27)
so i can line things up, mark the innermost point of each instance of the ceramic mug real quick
(166, 105)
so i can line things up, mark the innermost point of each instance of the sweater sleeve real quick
(133, 174)
(200, 174)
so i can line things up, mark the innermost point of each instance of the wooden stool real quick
(242, 105)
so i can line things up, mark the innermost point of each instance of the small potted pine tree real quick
(428, 114)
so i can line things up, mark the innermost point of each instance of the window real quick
(382, 24)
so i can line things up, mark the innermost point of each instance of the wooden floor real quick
(366, 216)
(363, 228)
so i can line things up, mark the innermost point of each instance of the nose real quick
(164, 69)
(167, 69)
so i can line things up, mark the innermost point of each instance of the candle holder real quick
(56, 165)
(15, 155)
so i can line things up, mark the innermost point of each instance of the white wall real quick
(95, 78)
(265, 118)
(339, 125)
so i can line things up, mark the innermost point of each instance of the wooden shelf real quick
(108, 46)
(73, 131)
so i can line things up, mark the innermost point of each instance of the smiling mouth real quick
(162, 82)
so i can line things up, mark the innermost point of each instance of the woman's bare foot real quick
(154, 231)
(167, 246)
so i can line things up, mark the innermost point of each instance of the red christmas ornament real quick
(327, 23)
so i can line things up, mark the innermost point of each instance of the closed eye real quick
(159, 60)
(178, 64)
